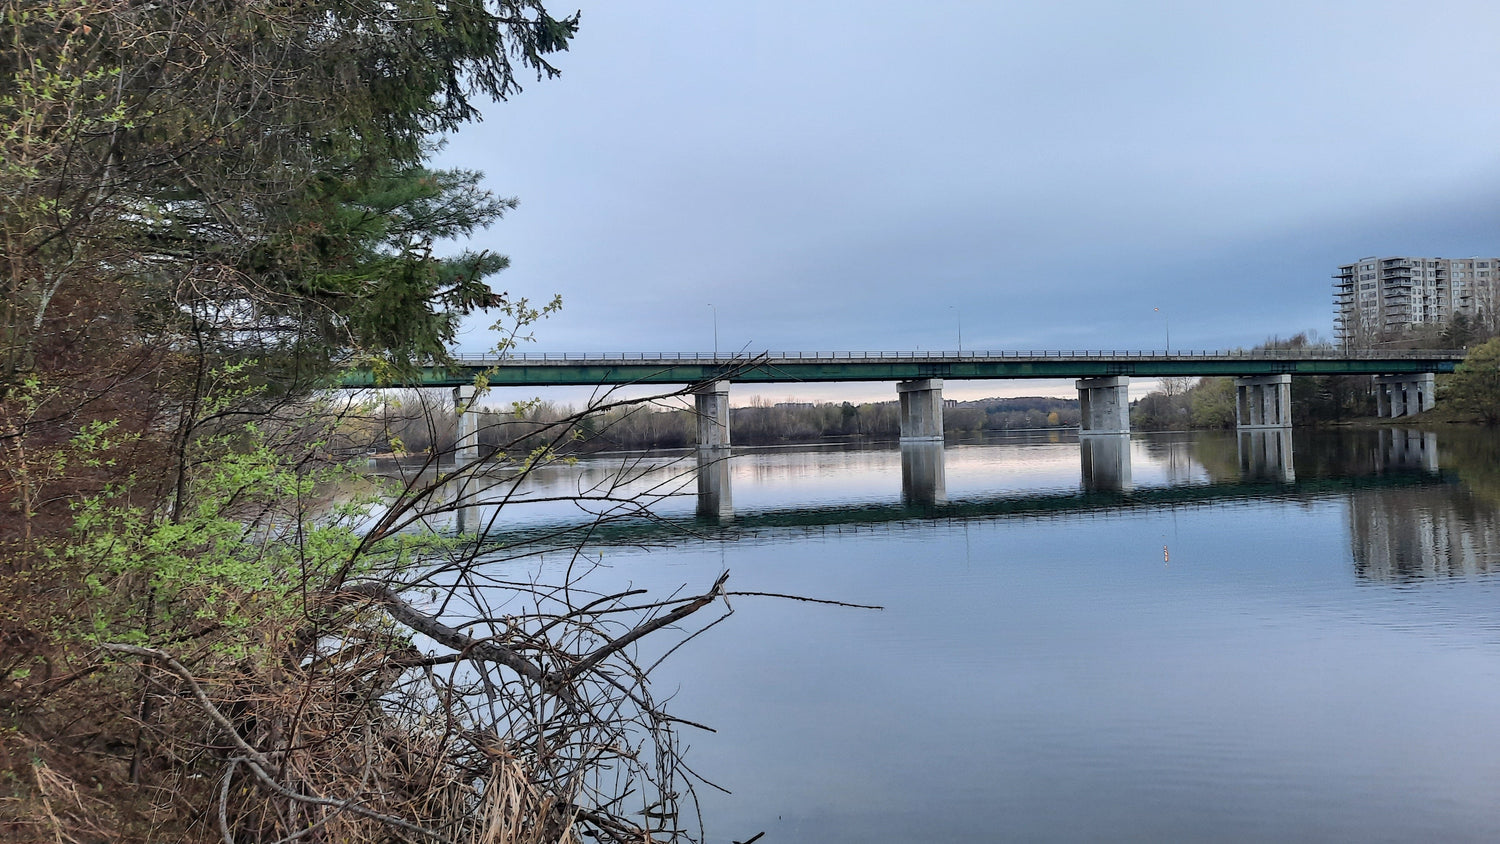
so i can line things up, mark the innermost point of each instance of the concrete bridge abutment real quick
(1263, 401)
(711, 401)
(1404, 395)
(1104, 405)
(921, 410)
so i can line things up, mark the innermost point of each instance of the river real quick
(1186, 637)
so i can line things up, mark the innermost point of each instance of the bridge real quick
(1405, 379)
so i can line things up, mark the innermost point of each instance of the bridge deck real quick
(539, 369)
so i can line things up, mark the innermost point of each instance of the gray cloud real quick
(864, 176)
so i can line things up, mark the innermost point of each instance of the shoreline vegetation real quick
(211, 210)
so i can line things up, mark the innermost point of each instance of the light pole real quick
(959, 315)
(1167, 323)
(716, 330)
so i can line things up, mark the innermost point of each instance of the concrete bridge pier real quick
(715, 493)
(711, 400)
(1404, 395)
(923, 477)
(466, 442)
(1105, 460)
(1266, 455)
(921, 410)
(1104, 405)
(1263, 401)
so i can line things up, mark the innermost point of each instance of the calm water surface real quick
(1174, 637)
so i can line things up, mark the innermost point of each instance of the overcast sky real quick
(880, 176)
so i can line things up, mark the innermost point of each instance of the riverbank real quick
(1439, 418)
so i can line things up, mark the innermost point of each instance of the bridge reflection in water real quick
(1264, 463)
(715, 491)
(1419, 533)
(1407, 519)
(1266, 455)
(1104, 463)
(924, 480)
(1408, 449)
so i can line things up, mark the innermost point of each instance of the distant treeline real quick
(417, 422)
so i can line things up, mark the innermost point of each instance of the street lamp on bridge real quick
(716, 330)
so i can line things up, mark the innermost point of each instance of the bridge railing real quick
(966, 355)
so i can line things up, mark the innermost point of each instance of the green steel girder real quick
(533, 373)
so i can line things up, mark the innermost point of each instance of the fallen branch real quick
(803, 599)
(614, 645)
(482, 649)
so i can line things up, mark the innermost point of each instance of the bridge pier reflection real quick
(1105, 459)
(467, 519)
(466, 495)
(1401, 448)
(1266, 455)
(923, 476)
(715, 491)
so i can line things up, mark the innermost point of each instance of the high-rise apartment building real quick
(1385, 298)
